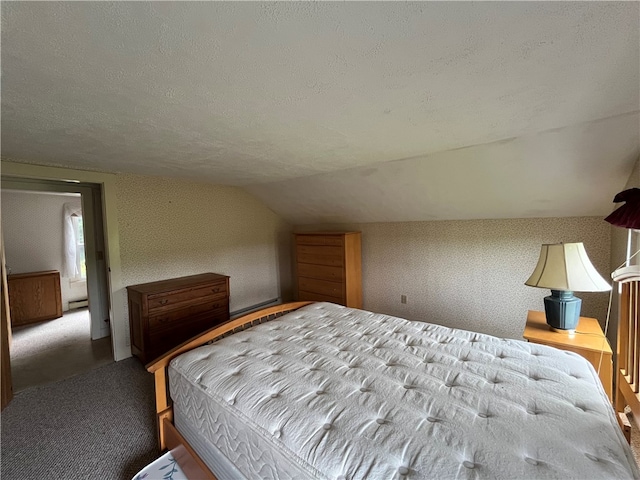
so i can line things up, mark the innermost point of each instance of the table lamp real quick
(565, 268)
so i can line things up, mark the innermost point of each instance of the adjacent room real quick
(51, 339)
(320, 239)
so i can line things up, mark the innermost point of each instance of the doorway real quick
(79, 340)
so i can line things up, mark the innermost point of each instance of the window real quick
(78, 231)
(75, 267)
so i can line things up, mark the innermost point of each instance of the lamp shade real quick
(566, 267)
(628, 215)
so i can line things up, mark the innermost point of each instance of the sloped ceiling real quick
(351, 112)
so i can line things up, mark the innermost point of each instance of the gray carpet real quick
(96, 425)
(56, 349)
(635, 443)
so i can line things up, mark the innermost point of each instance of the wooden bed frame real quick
(628, 356)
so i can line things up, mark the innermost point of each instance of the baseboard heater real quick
(255, 307)
(78, 304)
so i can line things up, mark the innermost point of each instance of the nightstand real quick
(588, 341)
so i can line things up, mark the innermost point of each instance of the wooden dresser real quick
(328, 267)
(164, 314)
(34, 297)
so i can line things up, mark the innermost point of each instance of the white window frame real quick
(81, 268)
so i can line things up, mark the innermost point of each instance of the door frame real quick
(118, 317)
(97, 285)
(6, 382)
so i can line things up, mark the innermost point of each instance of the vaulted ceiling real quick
(336, 112)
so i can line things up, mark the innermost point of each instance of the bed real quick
(317, 390)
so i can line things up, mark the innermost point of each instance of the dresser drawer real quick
(321, 272)
(336, 240)
(320, 255)
(323, 287)
(167, 338)
(173, 299)
(316, 297)
(179, 316)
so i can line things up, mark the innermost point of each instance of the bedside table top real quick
(588, 336)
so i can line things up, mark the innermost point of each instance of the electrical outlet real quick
(403, 299)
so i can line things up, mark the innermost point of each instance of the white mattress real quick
(333, 392)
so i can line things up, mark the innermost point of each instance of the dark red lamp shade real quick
(628, 215)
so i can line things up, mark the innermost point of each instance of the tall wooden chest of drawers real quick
(164, 314)
(329, 267)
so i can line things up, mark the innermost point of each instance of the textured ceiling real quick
(352, 111)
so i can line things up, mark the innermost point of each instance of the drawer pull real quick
(164, 301)
(215, 290)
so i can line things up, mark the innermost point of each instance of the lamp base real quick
(571, 331)
(562, 310)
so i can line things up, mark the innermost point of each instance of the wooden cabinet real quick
(588, 341)
(329, 267)
(34, 297)
(164, 314)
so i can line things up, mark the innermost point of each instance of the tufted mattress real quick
(338, 393)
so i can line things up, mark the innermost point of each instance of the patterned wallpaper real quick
(32, 225)
(470, 274)
(171, 228)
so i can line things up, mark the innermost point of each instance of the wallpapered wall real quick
(32, 225)
(171, 228)
(470, 274)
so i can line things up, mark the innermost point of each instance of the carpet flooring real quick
(635, 444)
(56, 349)
(96, 425)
